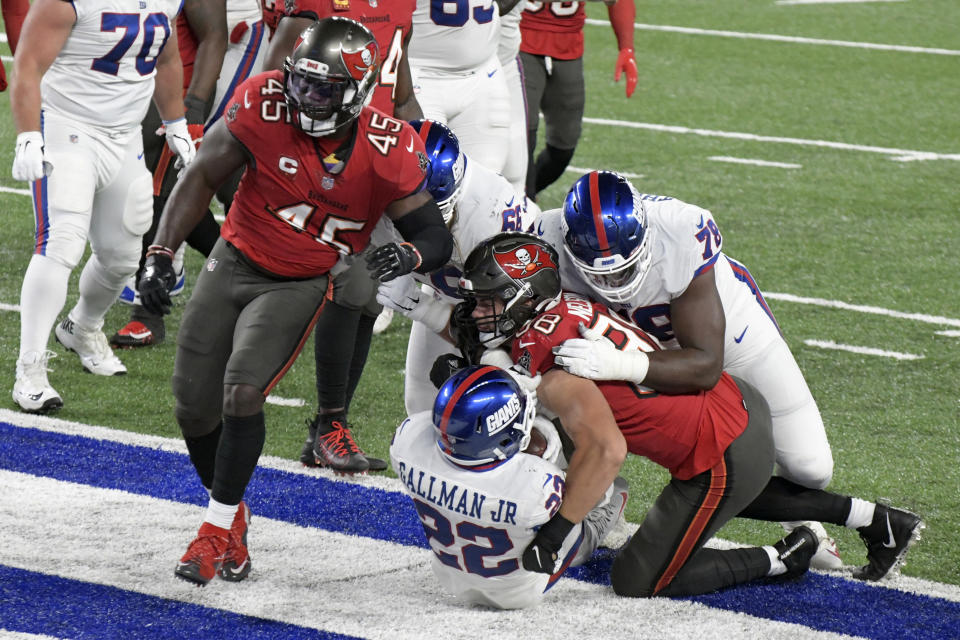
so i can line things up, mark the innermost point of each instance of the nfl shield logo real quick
(326, 182)
(74, 139)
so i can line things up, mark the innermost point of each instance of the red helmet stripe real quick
(598, 213)
(425, 129)
(455, 397)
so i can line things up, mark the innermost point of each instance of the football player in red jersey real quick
(321, 169)
(345, 328)
(551, 50)
(717, 444)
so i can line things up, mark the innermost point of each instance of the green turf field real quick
(847, 216)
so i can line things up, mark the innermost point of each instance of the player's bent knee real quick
(242, 400)
(628, 576)
(810, 472)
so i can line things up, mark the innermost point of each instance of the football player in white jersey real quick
(508, 51)
(482, 497)
(457, 76)
(659, 262)
(84, 75)
(476, 203)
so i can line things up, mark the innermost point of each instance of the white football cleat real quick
(31, 391)
(91, 345)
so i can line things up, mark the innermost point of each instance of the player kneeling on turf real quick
(482, 497)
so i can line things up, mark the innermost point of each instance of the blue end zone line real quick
(817, 601)
(63, 608)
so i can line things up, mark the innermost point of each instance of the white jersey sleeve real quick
(104, 75)
(457, 36)
(477, 523)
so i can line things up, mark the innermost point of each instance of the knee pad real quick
(813, 472)
(138, 205)
(67, 240)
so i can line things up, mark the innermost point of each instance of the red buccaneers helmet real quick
(331, 75)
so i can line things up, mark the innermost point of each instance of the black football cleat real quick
(888, 538)
(335, 448)
(795, 551)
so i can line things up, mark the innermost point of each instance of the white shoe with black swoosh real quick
(31, 391)
(888, 538)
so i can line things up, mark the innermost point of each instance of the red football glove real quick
(627, 63)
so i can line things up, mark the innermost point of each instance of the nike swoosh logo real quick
(524, 345)
(740, 337)
(891, 543)
(490, 75)
(239, 569)
(246, 99)
(410, 146)
(140, 156)
(700, 224)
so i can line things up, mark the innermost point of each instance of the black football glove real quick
(393, 260)
(156, 282)
(445, 366)
(542, 553)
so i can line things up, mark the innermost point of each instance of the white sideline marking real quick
(777, 38)
(948, 333)
(899, 155)
(759, 163)
(837, 304)
(625, 174)
(9, 307)
(786, 2)
(868, 351)
(285, 402)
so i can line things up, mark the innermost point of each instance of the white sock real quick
(219, 514)
(861, 513)
(777, 568)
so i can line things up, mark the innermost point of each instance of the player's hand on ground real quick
(28, 161)
(157, 280)
(595, 357)
(393, 260)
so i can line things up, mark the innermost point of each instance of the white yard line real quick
(778, 38)
(867, 351)
(790, 2)
(758, 163)
(901, 155)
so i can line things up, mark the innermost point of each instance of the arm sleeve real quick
(622, 14)
(425, 230)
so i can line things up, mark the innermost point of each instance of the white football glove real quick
(28, 161)
(403, 294)
(180, 141)
(596, 358)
